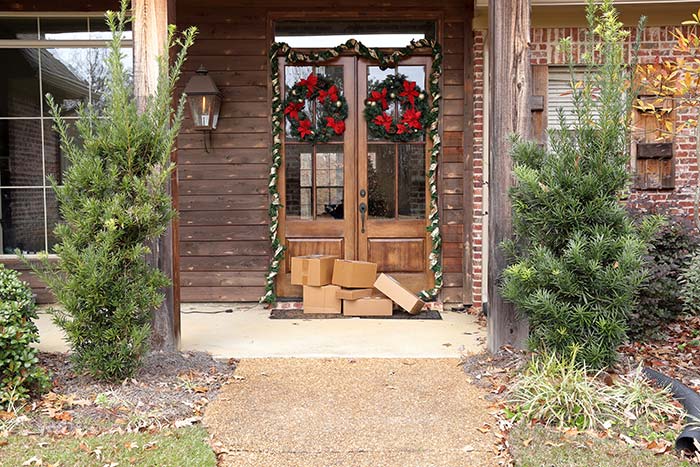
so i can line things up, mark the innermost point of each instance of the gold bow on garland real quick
(281, 49)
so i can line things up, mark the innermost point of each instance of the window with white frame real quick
(58, 54)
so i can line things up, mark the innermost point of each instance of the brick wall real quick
(657, 43)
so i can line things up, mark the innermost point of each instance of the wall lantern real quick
(204, 100)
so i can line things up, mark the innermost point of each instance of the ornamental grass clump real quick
(114, 204)
(577, 257)
(561, 392)
(20, 375)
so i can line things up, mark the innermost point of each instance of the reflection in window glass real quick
(29, 146)
(381, 172)
(411, 181)
(299, 181)
(329, 181)
(100, 31)
(22, 221)
(20, 153)
(18, 28)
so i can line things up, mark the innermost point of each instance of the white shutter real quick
(559, 96)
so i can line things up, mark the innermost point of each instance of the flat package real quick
(370, 306)
(354, 274)
(322, 299)
(399, 294)
(316, 270)
(354, 294)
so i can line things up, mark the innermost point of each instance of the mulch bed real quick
(292, 313)
(171, 389)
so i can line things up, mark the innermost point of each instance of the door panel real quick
(392, 185)
(317, 182)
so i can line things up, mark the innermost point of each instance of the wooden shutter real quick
(652, 150)
(538, 103)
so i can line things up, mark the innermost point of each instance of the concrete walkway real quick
(247, 332)
(351, 413)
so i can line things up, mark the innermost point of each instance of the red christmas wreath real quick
(331, 104)
(411, 122)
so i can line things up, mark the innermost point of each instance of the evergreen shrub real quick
(577, 256)
(114, 204)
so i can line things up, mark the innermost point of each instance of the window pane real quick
(411, 181)
(292, 74)
(298, 181)
(22, 221)
(376, 75)
(336, 74)
(18, 28)
(19, 83)
(329, 181)
(55, 160)
(100, 31)
(380, 180)
(53, 217)
(66, 75)
(20, 153)
(62, 29)
(322, 34)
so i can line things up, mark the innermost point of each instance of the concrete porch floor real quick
(247, 332)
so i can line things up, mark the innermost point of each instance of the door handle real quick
(363, 211)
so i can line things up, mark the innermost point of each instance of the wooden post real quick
(468, 181)
(150, 31)
(509, 113)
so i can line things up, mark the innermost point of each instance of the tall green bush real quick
(20, 376)
(114, 204)
(577, 256)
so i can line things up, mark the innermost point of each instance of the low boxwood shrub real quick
(659, 300)
(20, 376)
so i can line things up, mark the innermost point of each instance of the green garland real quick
(281, 49)
(410, 124)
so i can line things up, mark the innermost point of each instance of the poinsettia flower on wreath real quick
(331, 94)
(411, 118)
(305, 128)
(410, 92)
(293, 109)
(310, 82)
(401, 129)
(377, 96)
(384, 120)
(337, 125)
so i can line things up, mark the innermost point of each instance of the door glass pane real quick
(380, 180)
(329, 181)
(20, 153)
(411, 181)
(292, 75)
(417, 75)
(19, 83)
(335, 73)
(22, 221)
(375, 75)
(298, 181)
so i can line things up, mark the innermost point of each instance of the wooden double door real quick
(356, 196)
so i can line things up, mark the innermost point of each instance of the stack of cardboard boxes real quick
(333, 285)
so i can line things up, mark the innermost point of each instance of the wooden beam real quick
(468, 187)
(509, 70)
(150, 30)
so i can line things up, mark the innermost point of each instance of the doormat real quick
(295, 313)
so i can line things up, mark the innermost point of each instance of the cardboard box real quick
(322, 299)
(354, 274)
(354, 294)
(401, 296)
(316, 270)
(371, 306)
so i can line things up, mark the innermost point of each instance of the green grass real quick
(538, 446)
(172, 448)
